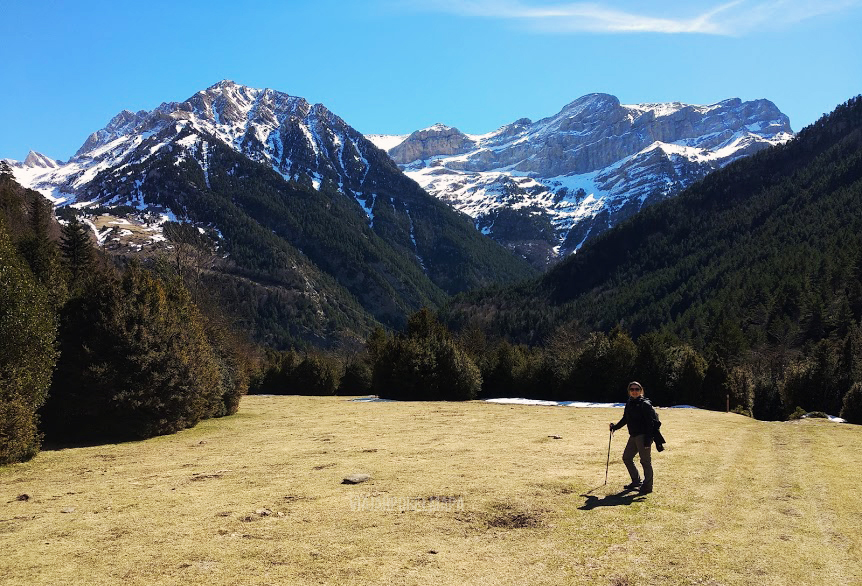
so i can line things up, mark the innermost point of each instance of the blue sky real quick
(394, 66)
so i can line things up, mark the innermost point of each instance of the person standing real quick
(642, 421)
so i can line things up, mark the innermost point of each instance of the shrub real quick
(799, 413)
(817, 415)
(740, 410)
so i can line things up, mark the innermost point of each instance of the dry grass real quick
(471, 493)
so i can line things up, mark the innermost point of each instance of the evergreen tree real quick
(27, 354)
(589, 377)
(315, 375)
(851, 409)
(42, 253)
(603, 367)
(424, 363)
(134, 362)
(356, 379)
(623, 356)
(686, 370)
(650, 366)
(277, 374)
(768, 403)
(77, 249)
(505, 372)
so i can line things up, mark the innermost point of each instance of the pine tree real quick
(851, 409)
(77, 248)
(42, 253)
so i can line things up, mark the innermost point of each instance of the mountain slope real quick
(770, 243)
(585, 169)
(305, 207)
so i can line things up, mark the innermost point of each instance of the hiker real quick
(642, 422)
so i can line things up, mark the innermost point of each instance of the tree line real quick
(426, 361)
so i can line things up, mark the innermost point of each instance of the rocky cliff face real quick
(588, 167)
(436, 140)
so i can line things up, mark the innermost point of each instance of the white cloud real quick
(734, 17)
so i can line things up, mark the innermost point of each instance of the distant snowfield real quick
(831, 418)
(541, 403)
(520, 401)
(538, 402)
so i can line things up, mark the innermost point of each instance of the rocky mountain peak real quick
(438, 139)
(303, 142)
(35, 159)
(122, 124)
(225, 83)
(596, 102)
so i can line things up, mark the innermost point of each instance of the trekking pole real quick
(609, 457)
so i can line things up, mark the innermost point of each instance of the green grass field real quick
(461, 493)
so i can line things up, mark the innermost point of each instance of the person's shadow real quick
(623, 498)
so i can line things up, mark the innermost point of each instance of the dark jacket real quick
(640, 417)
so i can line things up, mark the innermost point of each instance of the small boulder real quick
(356, 478)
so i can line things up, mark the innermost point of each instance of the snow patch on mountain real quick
(385, 142)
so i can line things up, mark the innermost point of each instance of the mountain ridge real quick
(584, 169)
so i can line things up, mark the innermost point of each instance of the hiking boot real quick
(633, 486)
(645, 490)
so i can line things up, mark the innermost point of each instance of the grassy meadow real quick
(460, 493)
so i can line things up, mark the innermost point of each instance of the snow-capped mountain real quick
(319, 232)
(299, 140)
(543, 188)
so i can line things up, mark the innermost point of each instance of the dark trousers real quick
(634, 446)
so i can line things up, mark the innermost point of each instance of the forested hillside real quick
(311, 234)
